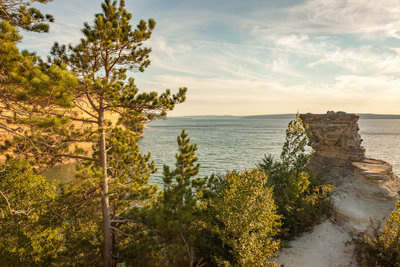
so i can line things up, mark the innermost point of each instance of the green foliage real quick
(26, 199)
(35, 95)
(110, 49)
(242, 215)
(229, 220)
(28, 89)
(83, 97)
(173, 218)
(25, 81)
(79, 206)
(301, 199)
(382, 248)
(77, 211)
(129, 172)
(20, 13)
(178, 204)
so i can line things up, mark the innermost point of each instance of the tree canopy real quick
(81, 106)
(68, 107)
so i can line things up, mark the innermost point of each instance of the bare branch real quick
(73, 118)
(73, 157)
(12, 211)
(121, 232)
(121, 220)
(91, 101)
(85, 110)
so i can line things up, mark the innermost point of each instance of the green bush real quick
(26, 238)
(225, 220)
(382, 248)
(301, 199)
(242, 215)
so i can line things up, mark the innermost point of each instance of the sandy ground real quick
(324, 246)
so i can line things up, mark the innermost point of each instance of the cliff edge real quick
(366, 191)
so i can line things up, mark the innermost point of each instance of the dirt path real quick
(324, 246)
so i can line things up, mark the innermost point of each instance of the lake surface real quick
(238, 143)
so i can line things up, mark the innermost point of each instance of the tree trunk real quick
(107, 253)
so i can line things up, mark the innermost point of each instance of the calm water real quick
(228, 143)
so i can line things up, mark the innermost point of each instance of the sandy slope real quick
(324, 246)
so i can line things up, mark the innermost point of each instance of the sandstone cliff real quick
(366, 191)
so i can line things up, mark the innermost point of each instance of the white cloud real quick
(161, 46)
(363, 17)
(292, 41)
(311, 56)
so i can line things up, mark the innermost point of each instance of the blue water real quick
(237, 143)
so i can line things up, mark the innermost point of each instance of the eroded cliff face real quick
(335, 139)
(366, 190)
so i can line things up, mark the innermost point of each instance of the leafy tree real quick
(53, 116)
(301, 199)
(76, 212)
(26, 201)
(382, 248)
(26, 239)
(243, 216)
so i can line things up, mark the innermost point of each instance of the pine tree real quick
(54, 116)
(79, 205)
(174, 217)
(29, 94)
(19, 13)
(179, 199)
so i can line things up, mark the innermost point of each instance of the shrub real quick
(243, 216)
(26, 238)
(301, 199)
(382, 248)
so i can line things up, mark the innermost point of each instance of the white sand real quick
(324, 246)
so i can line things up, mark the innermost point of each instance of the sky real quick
(258, 56)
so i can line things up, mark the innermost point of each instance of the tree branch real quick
(17, 212)
(121, 232)
(73, 118)
(121, 220)
(73, 156)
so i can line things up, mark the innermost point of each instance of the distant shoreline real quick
(287, 116)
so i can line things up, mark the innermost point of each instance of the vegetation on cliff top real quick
(382, 247)
(108, 213)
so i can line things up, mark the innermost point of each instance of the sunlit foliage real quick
(382, 247)
(301, 199)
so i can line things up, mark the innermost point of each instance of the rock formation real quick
(366, 189)
(334, 138)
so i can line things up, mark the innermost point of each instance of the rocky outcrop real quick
(335, 139)
(366, 190)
